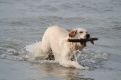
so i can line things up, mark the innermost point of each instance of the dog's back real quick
(52, 39)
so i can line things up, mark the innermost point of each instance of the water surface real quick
(23, 22)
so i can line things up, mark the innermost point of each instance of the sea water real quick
(23, 22)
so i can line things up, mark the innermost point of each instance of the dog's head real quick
(79, 33)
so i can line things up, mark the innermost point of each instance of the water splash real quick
(92, 59)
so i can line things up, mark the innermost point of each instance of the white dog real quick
(55, 39)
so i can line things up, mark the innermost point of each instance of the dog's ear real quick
(72, 33)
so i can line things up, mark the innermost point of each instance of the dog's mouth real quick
(87, 36)
(83, 41)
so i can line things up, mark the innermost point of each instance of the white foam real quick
(31, 48)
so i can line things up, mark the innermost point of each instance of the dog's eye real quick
(81, 32)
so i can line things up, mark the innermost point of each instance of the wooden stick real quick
(83, 40)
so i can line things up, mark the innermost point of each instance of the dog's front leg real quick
(66, 61)
(72, 64)
(75, 56)
(77, 65)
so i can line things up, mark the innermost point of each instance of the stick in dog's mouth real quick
(83, 41)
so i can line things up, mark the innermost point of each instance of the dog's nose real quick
(87, 35)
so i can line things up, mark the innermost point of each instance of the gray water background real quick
(23, 22)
